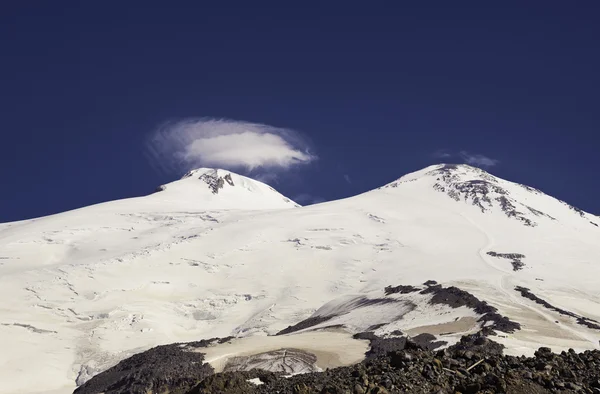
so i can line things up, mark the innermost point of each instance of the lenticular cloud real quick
(229, 144)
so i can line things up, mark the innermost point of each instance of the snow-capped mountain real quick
(492, 194)
(209, 188)
(217, 254)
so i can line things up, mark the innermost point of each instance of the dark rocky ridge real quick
(539, 213)
(403, 289)
(306, 323)
(379, 346)
(358, 302)
(584, 321)
(474, 365)
(216, 182)
(516, 259)
(455, 298)
(482, 193)
(575, 209)
(450, 296)
(166, 368)
(159, 189)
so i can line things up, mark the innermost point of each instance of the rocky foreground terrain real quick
(474, 365)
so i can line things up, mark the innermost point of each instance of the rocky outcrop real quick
(456, 298)
(584, 321)
(515, 259)
(213, 181)
(306, 323)
(402, 289)
(475, 365)
(173, 368)
(485, 192)
(449, 296)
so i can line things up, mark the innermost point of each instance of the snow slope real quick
(217, 254)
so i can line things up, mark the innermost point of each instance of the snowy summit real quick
(475, 186)
(220, 189)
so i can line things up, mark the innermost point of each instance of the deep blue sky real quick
(378, 89)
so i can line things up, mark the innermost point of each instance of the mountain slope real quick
(81, 290)
(135, 225)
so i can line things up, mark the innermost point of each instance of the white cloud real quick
(347, 178)
(478, 160)
(230, 144)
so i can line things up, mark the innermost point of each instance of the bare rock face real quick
(213, 181)
(456, 298)
(515, 259)
(227, 178)
(582, 320)
(240, 382)
(485, 192)
(163, 369)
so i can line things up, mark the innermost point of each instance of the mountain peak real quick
(207, 171)
(446, 172)
(477, 187)
(454, 171)
(216, 188)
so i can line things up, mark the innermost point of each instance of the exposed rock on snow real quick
(406, 289)
(488, 193)
(384, 313)
(162, 369)
(584, 321)
(456, 298)
(516, 259)
(216, 182)
(219, 189)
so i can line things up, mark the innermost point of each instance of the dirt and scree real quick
(474, 365)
